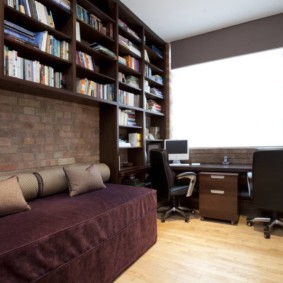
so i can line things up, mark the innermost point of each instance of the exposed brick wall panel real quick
(37, 132)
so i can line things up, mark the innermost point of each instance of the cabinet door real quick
(219, 196)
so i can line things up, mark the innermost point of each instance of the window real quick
(234, 102)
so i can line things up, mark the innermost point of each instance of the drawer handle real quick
(217, 177)
(218, 192)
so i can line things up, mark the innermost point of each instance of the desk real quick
(241, 177)
(231, 168)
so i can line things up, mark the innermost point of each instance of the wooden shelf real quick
(106, 72)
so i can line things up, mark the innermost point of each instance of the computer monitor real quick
(177, 150)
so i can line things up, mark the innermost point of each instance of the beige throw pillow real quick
(82, 180)
(11, 197)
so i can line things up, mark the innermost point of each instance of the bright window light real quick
(234, 102)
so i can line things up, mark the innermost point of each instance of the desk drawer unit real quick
(218, 196)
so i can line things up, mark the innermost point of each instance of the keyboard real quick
(180, 165)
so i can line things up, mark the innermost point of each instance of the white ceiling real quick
(177, 19)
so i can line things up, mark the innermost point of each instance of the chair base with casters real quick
(169, 186)
(271, 222)
(175, 193)
(175, 207)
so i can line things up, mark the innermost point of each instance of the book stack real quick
(128, 98)
(152, 105)
(91, 88)
(99, 48)
(135, 139)
(129, 30)
(132, 81)
(129, 45)
(127, 117)
(85, 60)
(94, 21)
(132, 63)
(156, 92)
(19, 33)
(34, 71)
(157, 78)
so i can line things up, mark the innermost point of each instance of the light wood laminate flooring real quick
(209, 251)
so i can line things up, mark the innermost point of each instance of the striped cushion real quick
(28, 183)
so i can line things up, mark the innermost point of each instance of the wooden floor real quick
(209, 251)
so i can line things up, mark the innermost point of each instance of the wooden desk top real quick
(231, 168)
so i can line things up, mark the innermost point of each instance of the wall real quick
(241, 39)
(254, 36)
(38, 132)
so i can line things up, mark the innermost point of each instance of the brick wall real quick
(216, 155)
(37, 132)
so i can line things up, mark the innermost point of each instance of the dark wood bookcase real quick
(135, 64)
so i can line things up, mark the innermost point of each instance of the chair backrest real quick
(162, 176)
(268, 179)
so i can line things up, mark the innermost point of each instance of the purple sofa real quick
(92, 237)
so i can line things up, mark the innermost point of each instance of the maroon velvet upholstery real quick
(90, 238)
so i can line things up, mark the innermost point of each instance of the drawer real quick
(218, 195)
(218, 183)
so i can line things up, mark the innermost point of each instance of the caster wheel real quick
(186, 220)
(193, 212)
(233, 222)
(162, 220)
(202, 218)
(266, 235)
(249, 223)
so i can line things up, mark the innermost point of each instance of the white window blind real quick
(234, 102)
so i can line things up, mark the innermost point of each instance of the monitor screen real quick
(177, 150)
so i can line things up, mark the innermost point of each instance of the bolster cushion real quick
(28, 183)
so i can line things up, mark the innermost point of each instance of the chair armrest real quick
(188, 175)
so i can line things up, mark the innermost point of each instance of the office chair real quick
(267, 187)
(169, 186)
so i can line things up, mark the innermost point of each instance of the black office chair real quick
(267, 187)
(170, 186)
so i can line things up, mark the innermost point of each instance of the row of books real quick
(85, 60)
(127, 117)
(48, 43)
(129, 45)
(152, 105)
(34, 9)
(135, 139)
(130, 61)
(128, 29)
(42, 40)
(34, 71)
(65, 4)
(128, 98)
(91, 88)
(148, 73)
(94, 21)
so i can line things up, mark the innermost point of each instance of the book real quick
(18, 28)
(20, 37)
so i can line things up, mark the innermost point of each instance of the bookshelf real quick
(96, 53)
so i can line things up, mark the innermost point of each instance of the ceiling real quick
(174, 20)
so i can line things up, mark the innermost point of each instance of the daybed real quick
(92, 237)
